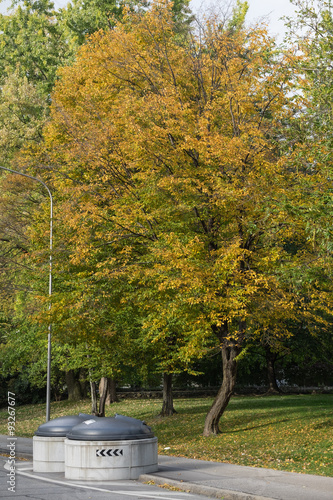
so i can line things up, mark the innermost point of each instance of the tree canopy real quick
(187, 175)
(171, 153)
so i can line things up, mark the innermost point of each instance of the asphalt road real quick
(43, 488)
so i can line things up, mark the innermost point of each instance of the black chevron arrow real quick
(111, 453)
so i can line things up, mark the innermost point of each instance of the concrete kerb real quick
(198, 489)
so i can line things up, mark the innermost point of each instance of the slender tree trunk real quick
(270, 360)
(93, 390)
(73, 386)
(83, 383)
(167, 407)
(103, 391)
(229, 353)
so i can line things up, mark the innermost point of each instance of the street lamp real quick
(48, 380)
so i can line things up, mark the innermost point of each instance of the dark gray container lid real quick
(118, 428)
(58, 427)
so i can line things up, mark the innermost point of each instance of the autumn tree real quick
(177, 182)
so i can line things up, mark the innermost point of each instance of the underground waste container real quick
(110, 448)
(49, 442)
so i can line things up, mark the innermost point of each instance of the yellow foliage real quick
(165, 152)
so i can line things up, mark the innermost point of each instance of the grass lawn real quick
(291, 433)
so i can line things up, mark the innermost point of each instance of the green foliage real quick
(313, 32)
(82, 18)
(32, 40)
(237, 20)
(22, 115)
(315, 22)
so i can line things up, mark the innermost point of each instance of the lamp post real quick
(48, 380)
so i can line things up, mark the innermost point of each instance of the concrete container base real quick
(110, 460)
(48, 454)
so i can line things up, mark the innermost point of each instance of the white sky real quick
(272, 9)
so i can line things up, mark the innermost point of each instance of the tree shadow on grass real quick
(243, 422)
(267, 424)
(261, 412)
(262, 402)
(324, 425)
(281, 401)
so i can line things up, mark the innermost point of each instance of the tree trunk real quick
(167, 407)
(93, 390)
(83, 383)
(108, 395)
(103, 391)
(270, 360)
(73, 386)
(112, 391)
(229, 353)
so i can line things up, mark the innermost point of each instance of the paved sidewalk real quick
(220, 480)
